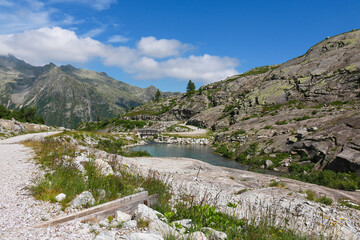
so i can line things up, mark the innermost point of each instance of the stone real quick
(163, 228)
(292, 139)
(144, 212)
(213, 234)
(85, 198)
(122, 217)
(139, 189)
(130, 224)
(60, 197)
(102, 193)
(106, 235)
(268, 163)
(197, 236)
(103, 167)
(184, 224)
(144, 236)
(217, 235)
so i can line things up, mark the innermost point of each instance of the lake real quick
(200, 152)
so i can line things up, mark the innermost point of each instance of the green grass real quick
(204, 215)
(64, 177)
(327, 178)
(310, 195)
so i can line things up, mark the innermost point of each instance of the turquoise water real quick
(200, 152)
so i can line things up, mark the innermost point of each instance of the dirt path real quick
(18, 209)
(196, 131)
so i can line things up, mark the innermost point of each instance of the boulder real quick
(130, 224)
(213, 234)
(268, 163)
(84, 199)
(103, 167)
(197, 236)
(144, 236)
(144, 212)
(164, 228)
(60, 197)
(106, 235)
(184, 224)
(122, 217)
(347, 160)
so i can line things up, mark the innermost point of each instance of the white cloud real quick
(6, 3)
(161, 48)
(97, 4)
(204, 68)
(94, 32)
(60, 45)
(118, 39)
(49, 44)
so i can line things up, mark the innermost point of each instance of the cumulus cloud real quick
(60, 45)
(118, 39)
(97, 4)
(161, 48)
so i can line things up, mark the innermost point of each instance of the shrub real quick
(283, 122)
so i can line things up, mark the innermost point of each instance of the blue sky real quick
(167, 42)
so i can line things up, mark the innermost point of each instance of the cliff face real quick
(309, 105)
(66, 95)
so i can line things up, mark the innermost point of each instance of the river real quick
(200, 152)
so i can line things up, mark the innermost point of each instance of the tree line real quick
(22, 115)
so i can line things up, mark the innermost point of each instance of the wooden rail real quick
(126, 204)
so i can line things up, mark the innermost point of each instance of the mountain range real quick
(66, 95)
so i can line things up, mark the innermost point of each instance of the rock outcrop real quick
(308, 105)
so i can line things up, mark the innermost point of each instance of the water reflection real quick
(200, 152)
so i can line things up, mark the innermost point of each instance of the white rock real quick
(163, 228)
(106, 235)
(102, 193)
(144, 212)
(184, 223)
(122, 217)
(103, 167)
(130, 224)
(196, 236)
(144, 236)
(85, 198)
(60, 197)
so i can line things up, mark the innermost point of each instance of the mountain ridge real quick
(66, 95)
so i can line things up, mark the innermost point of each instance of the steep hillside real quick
(66, 95)
(307, 106)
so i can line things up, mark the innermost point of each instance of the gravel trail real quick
(18, 209)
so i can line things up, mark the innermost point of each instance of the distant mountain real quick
(66, 95)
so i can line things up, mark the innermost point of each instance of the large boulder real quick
(104, 167)
(347, 160)
(84, 199)
(144, 212)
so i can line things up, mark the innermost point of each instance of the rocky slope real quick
(307, 106)
(66, 95)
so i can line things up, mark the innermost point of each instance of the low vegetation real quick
(122, 124)
(57, 156)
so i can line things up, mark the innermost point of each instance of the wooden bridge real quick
(147, 132)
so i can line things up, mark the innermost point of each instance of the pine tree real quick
(157, 95)
(190, 87)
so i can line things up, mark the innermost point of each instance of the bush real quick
(281, 122)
